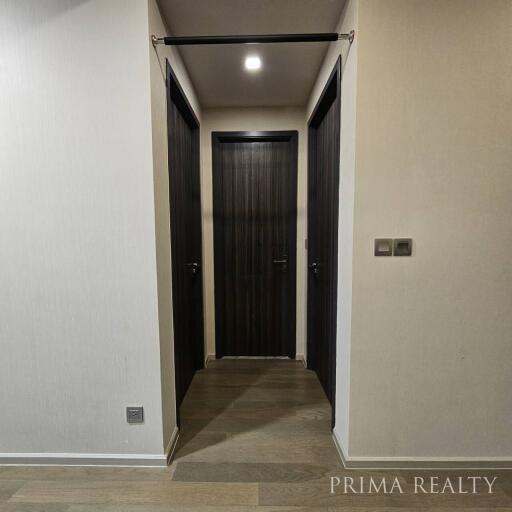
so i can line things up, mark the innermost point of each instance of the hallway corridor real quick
(254, 420)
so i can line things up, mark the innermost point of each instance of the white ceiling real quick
(217, 71)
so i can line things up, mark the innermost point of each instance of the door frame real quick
(176, 95)
(291, 136)
(330, 93)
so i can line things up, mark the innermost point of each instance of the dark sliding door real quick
(185, 207)
(323, 197)
(255, 226)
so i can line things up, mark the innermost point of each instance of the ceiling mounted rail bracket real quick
(349, 37)
(156, 40)
(261, 38)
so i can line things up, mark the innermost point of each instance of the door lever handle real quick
(314, 267)
(193, 267)
(283, 262)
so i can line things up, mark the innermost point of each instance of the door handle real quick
(315, 268)
(193, 267)
(283, 262)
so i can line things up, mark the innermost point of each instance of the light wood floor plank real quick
(249, 472)
(315, 494)
(134, 492)
(234, 425)
(8, 488)
(180, 508)
(83, 473)
(34, 507)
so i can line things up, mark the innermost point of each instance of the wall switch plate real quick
(383, 247)
(135, 414)
(402, 247)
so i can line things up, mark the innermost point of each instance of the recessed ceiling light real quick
(252, 63)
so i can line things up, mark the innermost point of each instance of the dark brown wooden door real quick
(255, 230)
(323, 196)
(185, 208)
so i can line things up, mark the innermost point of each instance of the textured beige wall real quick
(432, 334)
(157, 70)
(242, 119)
(78, 301)
(348, 53)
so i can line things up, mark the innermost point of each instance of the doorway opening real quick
(254, 394)
(253, 391)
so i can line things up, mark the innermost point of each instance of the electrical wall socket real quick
(135, 414)
(402, 247)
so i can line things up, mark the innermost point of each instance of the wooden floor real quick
(255, 437)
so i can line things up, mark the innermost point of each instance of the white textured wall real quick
(348, 21)
(252, 119)
(78, 302)
(158, 58)
(431, 372)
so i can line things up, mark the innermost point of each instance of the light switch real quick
(383, 247)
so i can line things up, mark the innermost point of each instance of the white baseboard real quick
(256, 358)
(82, 459)
(208, 358)
(302, 359)
(463, 463)
(339, 449)
(211, 357)
(171, 446)
(92, 459)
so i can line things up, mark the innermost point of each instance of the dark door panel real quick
(185, 208)
(255, 203)
(323, 204)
